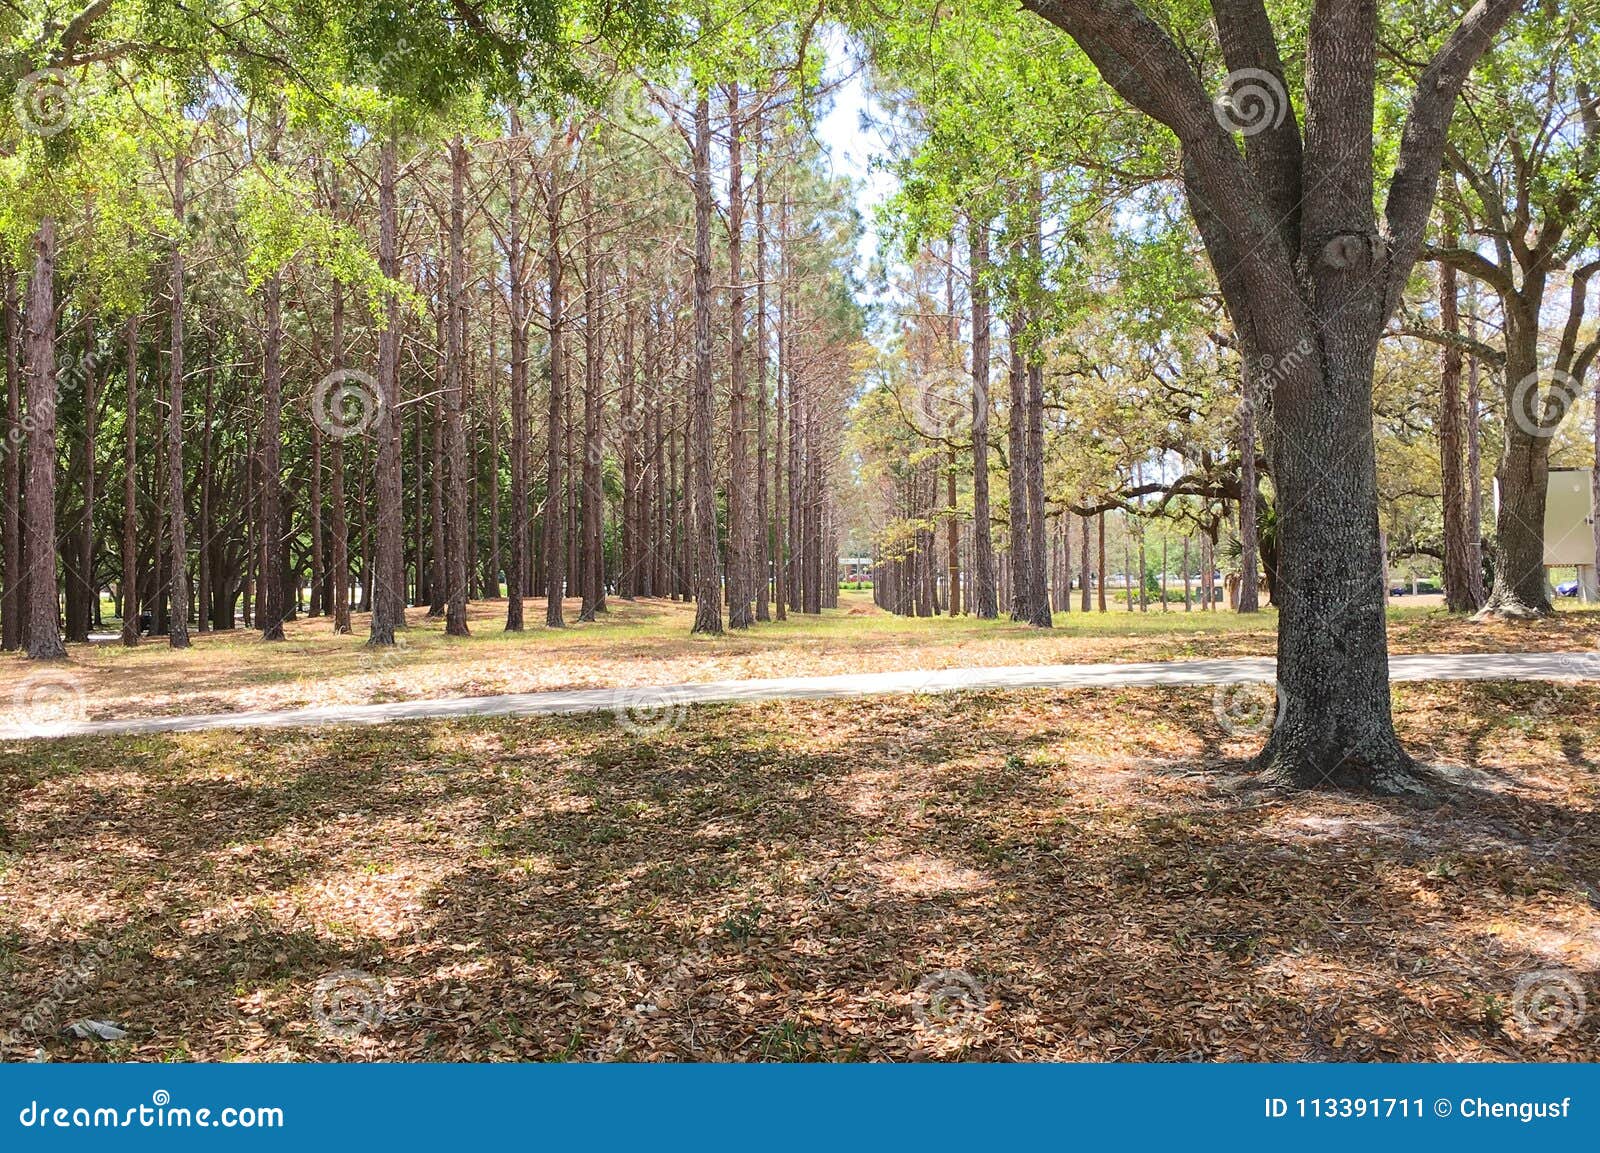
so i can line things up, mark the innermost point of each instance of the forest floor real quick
(1045, 874)
(647, 642)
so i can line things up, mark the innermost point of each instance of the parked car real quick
(1567, 589)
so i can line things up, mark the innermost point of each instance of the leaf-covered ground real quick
(1056, 875)
(648, 642)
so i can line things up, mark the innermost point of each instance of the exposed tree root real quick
(1393, 774)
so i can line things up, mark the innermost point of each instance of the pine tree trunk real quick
(457, 565)
(762, 518)
(130, 488)
(274, 604)
(740, 615)
(631, 419)
(517, 572)
(591, 538)
(1020, 535)
(203, 589)
(178, 575)
(385, 580)
(339, 562)
(13, 601)
(986, 602)
(700, 461)
(555, 557)
(43, 639)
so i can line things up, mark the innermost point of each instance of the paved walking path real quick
(647, 705)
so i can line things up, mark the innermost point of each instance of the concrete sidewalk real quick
(649, 706)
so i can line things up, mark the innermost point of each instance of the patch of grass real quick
(647, 642)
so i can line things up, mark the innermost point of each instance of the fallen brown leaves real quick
(1039, 875)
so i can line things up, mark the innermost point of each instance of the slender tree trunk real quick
(783, 414)
(1021, 536)
(339, 563)
(740, 615)
(204, 592)
(1249, 596)
(700, 461)
(591, 540)
(1474, 456)
(1084, 565)
(43, 638)
(387, 576)
(1038, 553)
(1100, 564)
(274, 602)
(13, 600)
(762, 585)
(985, 603)
(130, 488)
(457, 567)
(555, 560)
(1458, 596)
(90, 593)
(178, 577)
(318, 568)
(516, 577)
(631, 422)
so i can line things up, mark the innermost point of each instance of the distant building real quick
(854, 568)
